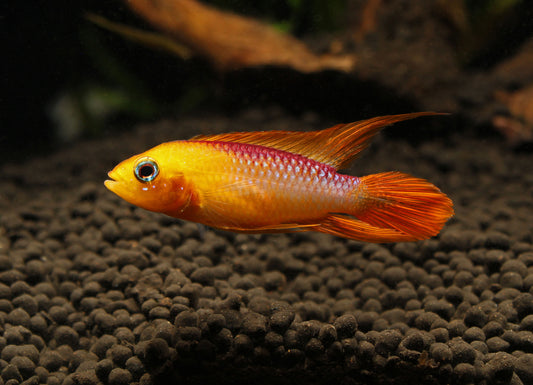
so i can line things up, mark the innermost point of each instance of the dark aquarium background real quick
(96, 291)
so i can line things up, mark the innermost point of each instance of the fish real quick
(284, 181)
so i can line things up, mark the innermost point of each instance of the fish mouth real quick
(111, 183)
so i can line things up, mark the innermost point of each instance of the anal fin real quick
(348, 227)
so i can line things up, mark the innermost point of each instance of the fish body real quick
(282, 181)
(231, 182)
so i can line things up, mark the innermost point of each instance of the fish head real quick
(151, 181)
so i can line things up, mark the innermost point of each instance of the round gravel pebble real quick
(103, 368)
(119, 376)
(204, 276)
(101, 346)
(465, 373)
(24, 365)
(65, 335)
(11, 373)
(393, 275)
(51, 360)
(501, 367)
(254, 325)
(281, 320)
(527, 323)
(475, 316)
(186, 318)
(497, 240)
(366, 350)
(387, 341)
(160, 312)
(124, 335)
(135, 367)
(345, 326)
(474, 334)
(441, 352)
(497, 344)
(327, 334)
(58, 314)
(119, 354)
(155, 353)
(462, 351)
(216, 322)
(18, 317)
(493, 329)
(523, 304)
(26, 302)
(524, 368)
(243, 344)
(273, 340)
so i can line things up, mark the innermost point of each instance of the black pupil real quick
(146, 171)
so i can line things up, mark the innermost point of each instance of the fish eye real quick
(146, 170)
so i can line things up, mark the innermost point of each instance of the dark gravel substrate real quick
(94, 290)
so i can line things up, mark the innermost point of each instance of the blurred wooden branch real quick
(518, 127)
(231, 41)
(149, 39)
(368, 20)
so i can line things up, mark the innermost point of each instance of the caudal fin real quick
(409, 205)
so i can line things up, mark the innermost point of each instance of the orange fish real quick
(283, 181)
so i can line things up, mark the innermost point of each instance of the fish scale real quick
(290, 185)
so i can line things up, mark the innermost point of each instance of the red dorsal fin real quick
(336, 146)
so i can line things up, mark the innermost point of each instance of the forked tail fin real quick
(402, 202)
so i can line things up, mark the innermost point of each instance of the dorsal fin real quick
(336, 146)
